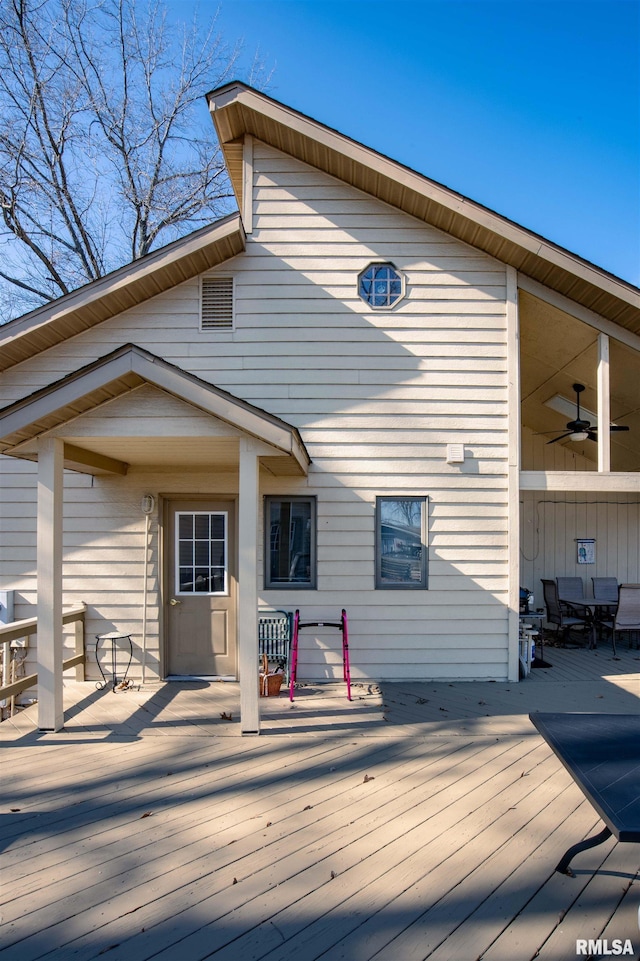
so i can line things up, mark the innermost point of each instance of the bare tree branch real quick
(106, 148)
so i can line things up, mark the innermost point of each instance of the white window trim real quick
(225, 591)
(403, 285)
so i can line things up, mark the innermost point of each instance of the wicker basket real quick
(269, 684)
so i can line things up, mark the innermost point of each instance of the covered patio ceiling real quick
(557, 351)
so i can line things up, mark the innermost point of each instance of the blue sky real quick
(530, 108)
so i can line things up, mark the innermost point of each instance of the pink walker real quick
(342, 626)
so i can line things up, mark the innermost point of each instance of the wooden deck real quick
(418, 821)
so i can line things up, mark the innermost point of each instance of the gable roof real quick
(237, 110)
(123, 288)
(122, 371)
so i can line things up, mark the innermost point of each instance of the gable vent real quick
(217, 303)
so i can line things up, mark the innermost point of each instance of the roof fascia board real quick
(121, 278)
(574, 309)
(45, 402)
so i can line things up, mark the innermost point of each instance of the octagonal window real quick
(380, 285)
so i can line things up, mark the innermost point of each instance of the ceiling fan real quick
(579, 429)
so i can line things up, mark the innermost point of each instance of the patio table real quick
(590, 606)
(601, 752)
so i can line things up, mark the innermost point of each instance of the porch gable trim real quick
(122, 371)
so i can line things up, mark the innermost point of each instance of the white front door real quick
(201, 589)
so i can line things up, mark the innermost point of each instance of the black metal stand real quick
(563, 866)
(113, 637)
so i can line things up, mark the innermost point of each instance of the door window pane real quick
(290, 550)
(401, 548)
(201, 550)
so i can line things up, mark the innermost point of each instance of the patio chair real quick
(570, 587)
(627, 615)
(556, 613)
(606, 587)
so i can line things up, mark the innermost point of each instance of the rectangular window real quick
(201, 552)
(401, 542)
(290, 542)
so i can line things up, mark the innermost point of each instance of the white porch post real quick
(604, 405)
(514, 532)
(248, 586)
(49, 568)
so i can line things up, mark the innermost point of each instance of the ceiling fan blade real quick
(581, 426)
(613, 427)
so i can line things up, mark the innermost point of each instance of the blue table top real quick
(602, 754)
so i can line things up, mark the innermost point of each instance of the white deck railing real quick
(27, 628)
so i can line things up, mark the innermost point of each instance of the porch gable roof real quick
(124, 370)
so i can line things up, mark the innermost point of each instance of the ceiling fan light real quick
(579, 435)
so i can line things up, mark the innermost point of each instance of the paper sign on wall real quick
(586, 550)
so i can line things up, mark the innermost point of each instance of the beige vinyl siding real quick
(376, 395)
(17, 528)
(377, 402)
(18, 498)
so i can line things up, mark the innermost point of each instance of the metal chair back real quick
(570, 588)
(550, 595)
(606, 587)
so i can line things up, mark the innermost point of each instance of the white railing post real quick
(80, 652)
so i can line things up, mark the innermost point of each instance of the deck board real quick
(421, 820)
(589, 912)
